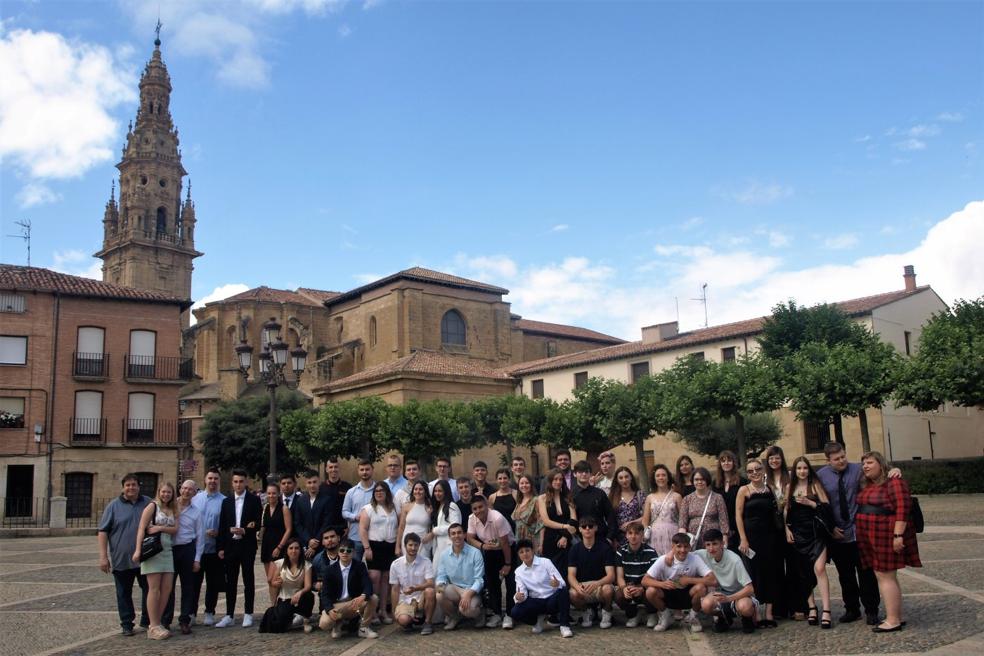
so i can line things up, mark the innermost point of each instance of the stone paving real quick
(54, 600)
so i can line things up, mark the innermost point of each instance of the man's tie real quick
(842, 493)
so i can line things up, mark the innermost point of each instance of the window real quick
(78, 490)
(536, 388)
(908, 342)
(699, 356)
(89, 357)
(728, 354)
(13, 349)
(580, 379)
(551, 348)
(143, 347)
(11, 302)
(372, 331)
(639, 369)
(148, 483)
(11, 412)
(816, 434)
(87, 423)
(161, 220)
(453, 329)
(140, 418)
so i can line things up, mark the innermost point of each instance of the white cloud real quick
(841, 241)
(366, 278)
(692, 222)
(76, 263)
(56, 101)
(217, 294)
(924, 130)
(311, 7)
(344, 30)
(911, 144)
(950, 117)
(775, 238)
(863, 139)
(560, 227)
(36, 193)
(490, 268)
(757, 193)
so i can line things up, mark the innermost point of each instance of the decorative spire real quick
(189, 191)
(157, 30)
(112, 191)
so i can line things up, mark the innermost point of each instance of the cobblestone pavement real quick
(54, 600)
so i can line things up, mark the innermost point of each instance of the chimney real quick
(910, 278)
(660, 332)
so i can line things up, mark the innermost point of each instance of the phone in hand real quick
(750, 553)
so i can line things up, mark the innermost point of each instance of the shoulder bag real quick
(693, 537)
(151, 545)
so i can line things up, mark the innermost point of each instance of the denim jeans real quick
(124, 596)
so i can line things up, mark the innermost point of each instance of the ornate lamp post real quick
(273, 368)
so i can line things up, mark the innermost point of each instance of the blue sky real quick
(601, 160)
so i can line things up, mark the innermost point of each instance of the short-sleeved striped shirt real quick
(635, 563)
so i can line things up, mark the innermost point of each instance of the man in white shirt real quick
(540, 590)
(412, 584)
(735, 595)
(680, 579)
(411, 471)
(603, 479)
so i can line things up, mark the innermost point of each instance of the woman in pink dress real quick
(661, 512)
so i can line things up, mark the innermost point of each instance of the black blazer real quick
(310, 520)
(331, 583)
(252, 514)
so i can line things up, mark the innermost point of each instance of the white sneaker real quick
(507, 622)
(492, 621)
(538, 627)
(694, 621)
(451, 622)
(298, 621)
(632, 622)
(224, 622)
(606, 619)
(367, 632)
(651, 620)
(336, 632)
(665, 620)
(209, 619)
(193, 620)
(247, 620)
(565, 632)
(586, 618)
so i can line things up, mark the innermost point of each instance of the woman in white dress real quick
(445, 512)
(415, 517)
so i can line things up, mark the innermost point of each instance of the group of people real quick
(427, 554)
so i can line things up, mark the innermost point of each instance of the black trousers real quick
(558, 604)
(858, 586)
(306, 606)
(184, 570)
(494, 560)
(236, 560)
(214, 576)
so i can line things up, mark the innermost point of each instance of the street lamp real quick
(272, 370)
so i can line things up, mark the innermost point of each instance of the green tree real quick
(712, 437)
(425, 430)
(949, 363)
(237, 434)
(529, 422)
(345, 429)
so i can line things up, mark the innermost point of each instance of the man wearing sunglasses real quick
(591, 574)
(346, 593)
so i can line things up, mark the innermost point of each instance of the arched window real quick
(372, 331)
(453, 328)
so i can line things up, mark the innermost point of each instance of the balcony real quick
(90, 366)
(156, 432)
(87, 431)
(158, 369)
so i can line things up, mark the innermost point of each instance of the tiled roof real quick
(423, 275)
(22, 278)
(264, 294)
(561, 330)
(425, 363)
(207, 392)
(319, 296)
(854, 307)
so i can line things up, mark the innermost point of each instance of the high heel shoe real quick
(826, 623)
(812, 618)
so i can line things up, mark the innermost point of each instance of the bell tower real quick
(149, 237)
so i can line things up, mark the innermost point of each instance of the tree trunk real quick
(838, 430)
(509, 451)
(865, 441)
(740, 441)
(640, 454)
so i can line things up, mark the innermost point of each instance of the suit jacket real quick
(335, 492)
(331, 583)
(311, 520)
(252, 514)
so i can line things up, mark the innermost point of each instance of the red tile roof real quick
(561, 330)
(264, 294)
(854, 307)
(22, 278)
(319, 296)
(425, 363)
(422, 275)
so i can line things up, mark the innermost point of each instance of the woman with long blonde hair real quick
(160, 516)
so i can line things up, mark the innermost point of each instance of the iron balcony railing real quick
(91, 365)
(87, 430)
(156, 432)
(158, 368)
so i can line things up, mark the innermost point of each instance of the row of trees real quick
(816, 359)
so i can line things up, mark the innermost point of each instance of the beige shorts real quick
(412, 609)
(595, 597)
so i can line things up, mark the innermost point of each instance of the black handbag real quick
(823, 522)
(151, 544)
(277, 619)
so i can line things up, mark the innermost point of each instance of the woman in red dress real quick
(886, 537)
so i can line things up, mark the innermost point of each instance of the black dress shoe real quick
(127, 631)
(879, 629)
(850, 616)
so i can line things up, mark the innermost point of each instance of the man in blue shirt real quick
(394, 477)
(356, 497)
(212, 571)
(118, 539)
(460, 579)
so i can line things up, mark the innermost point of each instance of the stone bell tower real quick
(149, 238)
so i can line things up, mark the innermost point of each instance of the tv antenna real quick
(25, 234)
(703, 300)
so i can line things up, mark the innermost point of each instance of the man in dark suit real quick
(310, 514)
(346, 593)
(289, 492)
(335, 489)
(236, 542)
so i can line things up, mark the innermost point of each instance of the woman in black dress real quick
(807, 513)
(559, 519)
(504, 498)
(758, 526)
(684, 476)
(727, 482)
(777, 477)
(277, 528)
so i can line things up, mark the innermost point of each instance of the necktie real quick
(842, 493)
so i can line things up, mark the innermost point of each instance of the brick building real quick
(90, 374)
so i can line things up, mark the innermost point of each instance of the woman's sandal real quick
(826, 623)
(812, 619)
(891, 629)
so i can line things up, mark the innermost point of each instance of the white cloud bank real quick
(741, 284)
(217, 294)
